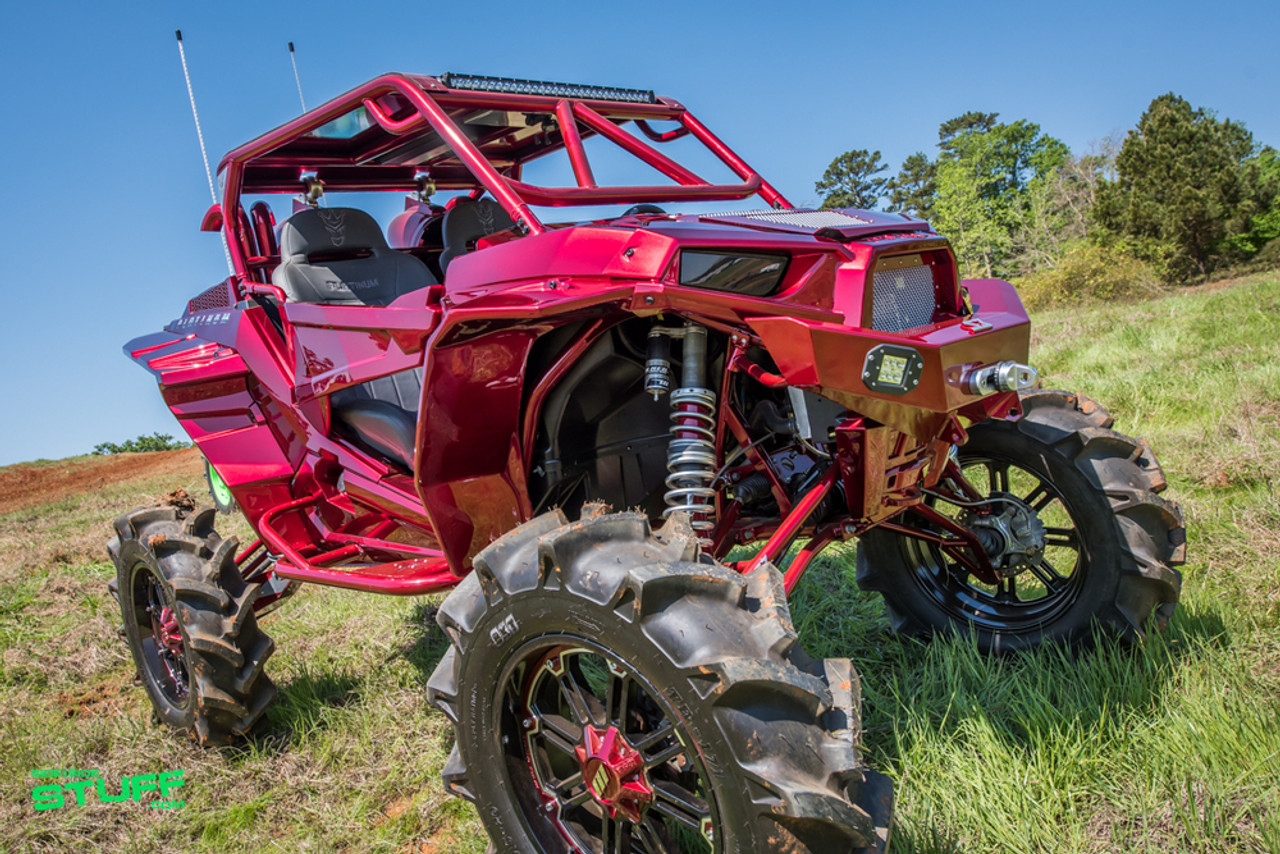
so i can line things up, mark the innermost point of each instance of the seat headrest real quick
(328, 230)
(469, 220)
(338, 256)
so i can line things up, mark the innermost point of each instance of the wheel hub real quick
(614, 773)
(1013, 538)
(167, 633)
(166, 657)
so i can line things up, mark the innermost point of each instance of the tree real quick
(849, 181)
(1263, 172)
(1185, 187)
(1057, 211)
(962, 125)
(971, 219)
(140, 445)
(985, 173)
(913, 189)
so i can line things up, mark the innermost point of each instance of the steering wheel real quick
(643, 209)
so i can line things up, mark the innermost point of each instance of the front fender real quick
(831, 358)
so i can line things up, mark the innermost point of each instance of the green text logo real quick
(74, 784)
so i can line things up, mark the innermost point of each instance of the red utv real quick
(426, 408)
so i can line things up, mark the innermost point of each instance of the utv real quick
(428, 408)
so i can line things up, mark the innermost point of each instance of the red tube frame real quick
(425, 573)
(514, 195)
(786, 533)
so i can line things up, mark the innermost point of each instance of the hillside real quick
(1171, 747)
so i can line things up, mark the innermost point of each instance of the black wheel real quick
(1068, 514)
(189, 622)
(610, 693)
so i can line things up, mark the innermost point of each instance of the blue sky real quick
(104, 191)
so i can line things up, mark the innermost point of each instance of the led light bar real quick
(541, 87)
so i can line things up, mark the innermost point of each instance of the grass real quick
(1173, 746)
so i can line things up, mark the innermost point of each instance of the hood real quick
(842, 224)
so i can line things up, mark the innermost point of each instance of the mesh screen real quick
(218, 296)
(902, 299)
(799, 218)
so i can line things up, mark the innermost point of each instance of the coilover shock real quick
(691, 453)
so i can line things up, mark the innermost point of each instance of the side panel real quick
(470, 469)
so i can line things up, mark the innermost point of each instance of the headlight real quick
(753, 274)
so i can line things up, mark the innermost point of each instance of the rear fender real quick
(222, 406)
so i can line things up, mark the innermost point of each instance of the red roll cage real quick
(406, 129)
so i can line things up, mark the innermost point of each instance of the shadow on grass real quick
(304, 705)
(431, 644)
(912, 838)
(314, 699)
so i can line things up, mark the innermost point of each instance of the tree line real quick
(1185, 195)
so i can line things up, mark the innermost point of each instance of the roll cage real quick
(399, 131)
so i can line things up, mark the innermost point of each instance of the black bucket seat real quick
(338, 256)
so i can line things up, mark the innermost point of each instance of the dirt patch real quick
(395, 809)
(23, 485)
(102, 699)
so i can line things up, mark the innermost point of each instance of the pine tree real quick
(1185, 188)
(913, 189)
(849, 181)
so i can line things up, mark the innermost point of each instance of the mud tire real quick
(775, 732)
(1132, 538)
(223, 649)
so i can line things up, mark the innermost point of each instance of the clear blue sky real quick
(104, 191)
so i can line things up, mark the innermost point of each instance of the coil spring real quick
(691, 458)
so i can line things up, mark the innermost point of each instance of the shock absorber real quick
(691, 453)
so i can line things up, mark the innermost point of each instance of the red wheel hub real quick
(167, 632)
(613, 771)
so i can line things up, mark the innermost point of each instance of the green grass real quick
(1173, 746)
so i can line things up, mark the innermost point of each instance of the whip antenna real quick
(294, 59)
(204, 155)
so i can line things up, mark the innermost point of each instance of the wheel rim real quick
(598, 758)
(1037, 593)
(162, 646)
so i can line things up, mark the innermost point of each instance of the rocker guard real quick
(828, 358)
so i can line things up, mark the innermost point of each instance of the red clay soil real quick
(27, 485)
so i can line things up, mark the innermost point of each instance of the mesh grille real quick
(902, 299)
(803, 219)
(218, 296)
